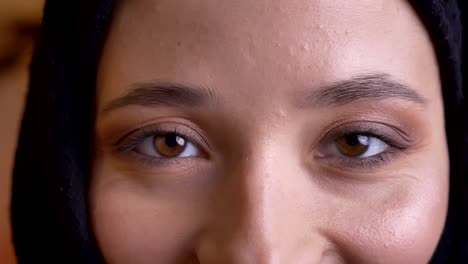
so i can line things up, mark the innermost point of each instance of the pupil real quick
(354, 140)
(172, 140)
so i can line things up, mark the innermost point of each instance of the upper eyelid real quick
(381, 131)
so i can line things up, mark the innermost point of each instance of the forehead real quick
(283, 42)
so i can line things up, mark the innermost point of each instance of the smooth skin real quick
(227, 132)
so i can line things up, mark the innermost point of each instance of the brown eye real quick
(169, 145)
(353, 145)
(164, 143)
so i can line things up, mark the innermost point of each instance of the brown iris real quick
(169, 145)
(353, 145)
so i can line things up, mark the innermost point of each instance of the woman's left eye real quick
(359, 146)
(169, 145)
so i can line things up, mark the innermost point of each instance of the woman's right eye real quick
(168, 145)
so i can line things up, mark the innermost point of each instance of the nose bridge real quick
(257, 205)
(256, 220)
(258, 190)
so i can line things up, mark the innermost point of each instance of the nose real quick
(258, 217)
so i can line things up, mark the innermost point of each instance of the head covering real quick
(443, 20)
(52, 168)
(48, 209)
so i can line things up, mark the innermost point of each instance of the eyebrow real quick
(163, 94)
(366, 87)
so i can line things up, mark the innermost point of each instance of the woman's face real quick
(280, 131)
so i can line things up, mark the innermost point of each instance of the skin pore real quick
(279, 131)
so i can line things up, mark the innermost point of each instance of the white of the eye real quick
(189, 151)
(146, 147)
(375, 146)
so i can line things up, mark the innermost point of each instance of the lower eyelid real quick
(150, 163)
(362, 164)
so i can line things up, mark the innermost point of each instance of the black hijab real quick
(52, 168)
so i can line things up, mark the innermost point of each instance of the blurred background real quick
(19, 25)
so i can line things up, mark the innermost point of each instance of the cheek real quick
(132, 225)
(404, 228)
(129, 229)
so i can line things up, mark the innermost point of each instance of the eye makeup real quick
(128, 144)
(379, 142)
(394, 140)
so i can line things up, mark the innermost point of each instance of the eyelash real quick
(127, 144)
(395, 148)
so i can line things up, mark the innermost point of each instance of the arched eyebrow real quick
(368, 87)
(163, 94)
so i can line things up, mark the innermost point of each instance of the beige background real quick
(19, 20)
